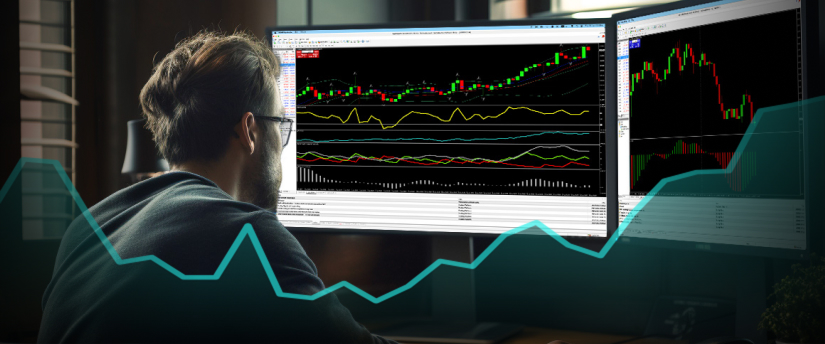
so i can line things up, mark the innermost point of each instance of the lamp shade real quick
(141, 154)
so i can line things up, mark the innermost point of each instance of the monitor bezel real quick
(809, 52)
(610, 137)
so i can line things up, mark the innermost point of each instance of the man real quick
(212, 105)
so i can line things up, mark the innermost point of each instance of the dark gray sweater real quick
(188, 222)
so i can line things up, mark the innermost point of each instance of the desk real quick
(534, 335)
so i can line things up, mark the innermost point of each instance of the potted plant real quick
(798, 312)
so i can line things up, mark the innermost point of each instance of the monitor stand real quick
(453, 309)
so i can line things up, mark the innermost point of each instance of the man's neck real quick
(224, 175)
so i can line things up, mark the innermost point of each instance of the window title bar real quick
(468, 28)
(677, 11)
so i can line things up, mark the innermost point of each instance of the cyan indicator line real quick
(248, 231)
(445, 140)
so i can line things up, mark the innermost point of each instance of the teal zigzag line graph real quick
(248, 231)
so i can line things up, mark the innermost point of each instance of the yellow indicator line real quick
(358, 118)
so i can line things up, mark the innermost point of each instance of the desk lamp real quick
(142, 158)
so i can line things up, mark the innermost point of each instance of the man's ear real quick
(245, 134)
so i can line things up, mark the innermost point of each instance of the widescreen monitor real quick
(454, 129)
(711, 124)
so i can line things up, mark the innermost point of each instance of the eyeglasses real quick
(285, 125)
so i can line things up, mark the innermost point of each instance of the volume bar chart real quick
(309, 179)
(686, 157)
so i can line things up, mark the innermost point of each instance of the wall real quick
(326, 12)
(10, 97)
(350, 12)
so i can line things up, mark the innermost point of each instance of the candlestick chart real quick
(502, 75)
(694, 92)
(457, 119)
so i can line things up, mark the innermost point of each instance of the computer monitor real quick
(709, 87)
(479, 128)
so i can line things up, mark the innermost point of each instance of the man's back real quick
(190, 224)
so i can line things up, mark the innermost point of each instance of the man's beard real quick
(264, 179)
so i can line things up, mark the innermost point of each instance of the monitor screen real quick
(476, 129)
(693, 85)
